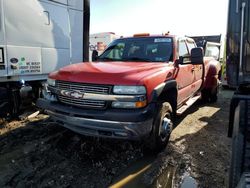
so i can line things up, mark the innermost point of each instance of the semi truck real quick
(36, 38)
(238, 75)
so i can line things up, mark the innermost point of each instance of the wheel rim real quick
(166, 127)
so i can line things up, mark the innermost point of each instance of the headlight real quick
(51, 82)
(131, 90)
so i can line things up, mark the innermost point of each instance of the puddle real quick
(133, 176)
(165, 180)
(189, 182)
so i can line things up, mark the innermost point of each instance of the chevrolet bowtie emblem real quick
(72, 94)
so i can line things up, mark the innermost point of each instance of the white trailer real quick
(36, 38)
(99, 41)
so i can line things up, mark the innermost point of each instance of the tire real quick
(236, 160)
(238, 149)
(214, 95)
(162, 128)
(205, 95)
(210, 96)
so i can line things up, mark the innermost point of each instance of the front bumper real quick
(110, 123)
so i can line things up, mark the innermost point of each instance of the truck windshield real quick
(149, 49)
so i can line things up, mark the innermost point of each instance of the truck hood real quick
(113, 73)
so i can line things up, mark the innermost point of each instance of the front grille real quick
(85, 88)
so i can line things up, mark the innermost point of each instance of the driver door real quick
(186, 76)
(197, 70)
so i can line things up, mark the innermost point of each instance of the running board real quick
(187, 104)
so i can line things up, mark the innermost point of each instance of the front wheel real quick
(162, 128)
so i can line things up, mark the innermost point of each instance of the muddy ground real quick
(39, 153)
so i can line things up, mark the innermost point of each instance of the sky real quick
(180, 17)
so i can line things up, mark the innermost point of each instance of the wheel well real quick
(220, 75)
(169, 95)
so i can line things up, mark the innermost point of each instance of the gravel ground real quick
(39, 153)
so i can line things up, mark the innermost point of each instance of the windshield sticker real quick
(162, 40)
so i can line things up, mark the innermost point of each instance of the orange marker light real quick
(141, 104)
(142, 35)
(167, 33)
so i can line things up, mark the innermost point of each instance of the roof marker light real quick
(141, 35)
(167, 33)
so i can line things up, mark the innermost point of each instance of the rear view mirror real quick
(197, 55)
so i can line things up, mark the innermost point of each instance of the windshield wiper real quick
(137, 59)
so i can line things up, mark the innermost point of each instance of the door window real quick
(183, 51)
(190, 45)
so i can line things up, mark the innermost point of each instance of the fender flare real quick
(212, 73)
(163, 87)
(214, 67)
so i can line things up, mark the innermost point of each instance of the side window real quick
(183, 48)
(183, 51)
(190, 45)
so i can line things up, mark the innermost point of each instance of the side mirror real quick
(94, 55)
(197, 55)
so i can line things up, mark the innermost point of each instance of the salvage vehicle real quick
(134, 90)
(238, 75)
(36, 38)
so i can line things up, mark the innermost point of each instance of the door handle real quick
(48, 17)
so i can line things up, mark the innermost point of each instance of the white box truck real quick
(36, 38)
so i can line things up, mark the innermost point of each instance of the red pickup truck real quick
(133, 90)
